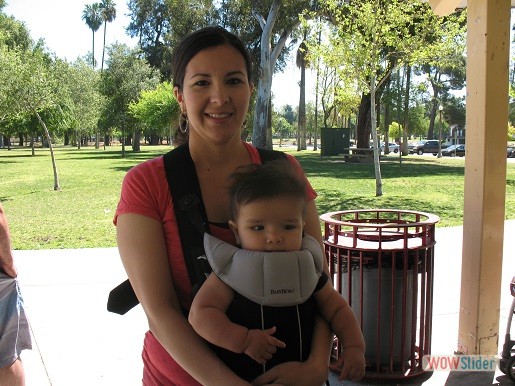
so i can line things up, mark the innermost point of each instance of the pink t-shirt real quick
(145, 191)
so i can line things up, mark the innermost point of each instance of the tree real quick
(443, 76)
(394, 130)
(14, 38)
(126, 75)
(92, 16)
(84, 101)
(160, 24)
(36, 87)
(269, 53)
(156, 110)
(371, 38)
(281, 127)
(108, 12)
(8, 62)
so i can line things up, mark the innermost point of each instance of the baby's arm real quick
(208, 318)
(336, 311)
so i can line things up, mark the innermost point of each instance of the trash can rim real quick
(431, 219)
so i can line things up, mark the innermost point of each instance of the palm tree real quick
(108, 9)
(93, 17)
(302, 63)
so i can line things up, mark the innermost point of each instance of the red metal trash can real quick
(381, 261)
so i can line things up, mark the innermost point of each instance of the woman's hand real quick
(306, 373)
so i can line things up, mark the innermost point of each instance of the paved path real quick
(77, 342)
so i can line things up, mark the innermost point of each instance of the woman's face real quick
(216, 94)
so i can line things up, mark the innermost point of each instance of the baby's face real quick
(271, 224)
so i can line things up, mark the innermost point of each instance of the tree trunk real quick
(259, 137)
(269, 136)
(49, 139)
(434, 106)
(302, 108)
(406, 103)
(363, 128)
(373, 118)
(123, 142)
(103, 52)
(386, 121)
(400, 86)
(261, 134)
(136, 141)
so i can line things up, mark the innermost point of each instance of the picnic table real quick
(359, 154)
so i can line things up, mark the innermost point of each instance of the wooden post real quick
(488, 46)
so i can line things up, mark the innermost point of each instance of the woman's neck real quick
(218, 157)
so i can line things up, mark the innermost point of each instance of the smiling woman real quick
(211, 75)
(215, 96)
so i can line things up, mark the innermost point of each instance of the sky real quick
(60, 24)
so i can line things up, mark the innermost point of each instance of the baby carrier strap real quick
(191, 219)
(190, 212)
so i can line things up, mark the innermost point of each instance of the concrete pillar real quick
(488, 46)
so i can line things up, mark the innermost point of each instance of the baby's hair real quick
(273, 179)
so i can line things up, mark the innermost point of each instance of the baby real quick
(262, 299)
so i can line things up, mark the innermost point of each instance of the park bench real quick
(359, 155)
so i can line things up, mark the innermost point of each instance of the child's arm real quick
(336, 311)
(208, 318)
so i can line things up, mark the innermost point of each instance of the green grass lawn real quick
(80, 215)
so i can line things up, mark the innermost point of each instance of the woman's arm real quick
(143, 252)
(314, 371)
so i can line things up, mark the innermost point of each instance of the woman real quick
(211, 75)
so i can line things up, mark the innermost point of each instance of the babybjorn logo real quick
(282, 291)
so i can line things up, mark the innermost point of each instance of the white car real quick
(392, 147)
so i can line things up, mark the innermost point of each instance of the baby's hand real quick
(350, 364)
(260, 345)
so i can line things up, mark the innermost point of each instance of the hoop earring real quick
(183, 123)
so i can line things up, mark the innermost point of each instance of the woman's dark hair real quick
(190, 46)
(199, 40)
(271, 180)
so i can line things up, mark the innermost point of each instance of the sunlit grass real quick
(81, 214)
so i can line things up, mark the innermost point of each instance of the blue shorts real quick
(14, 327)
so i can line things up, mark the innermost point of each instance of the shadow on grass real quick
(5, 157)
(117, 154)
(333, 201)
(336, 167)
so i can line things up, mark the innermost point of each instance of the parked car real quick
(454, 151)
(410, 147)
(428, 146)
(392, 147)
(510, 152)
